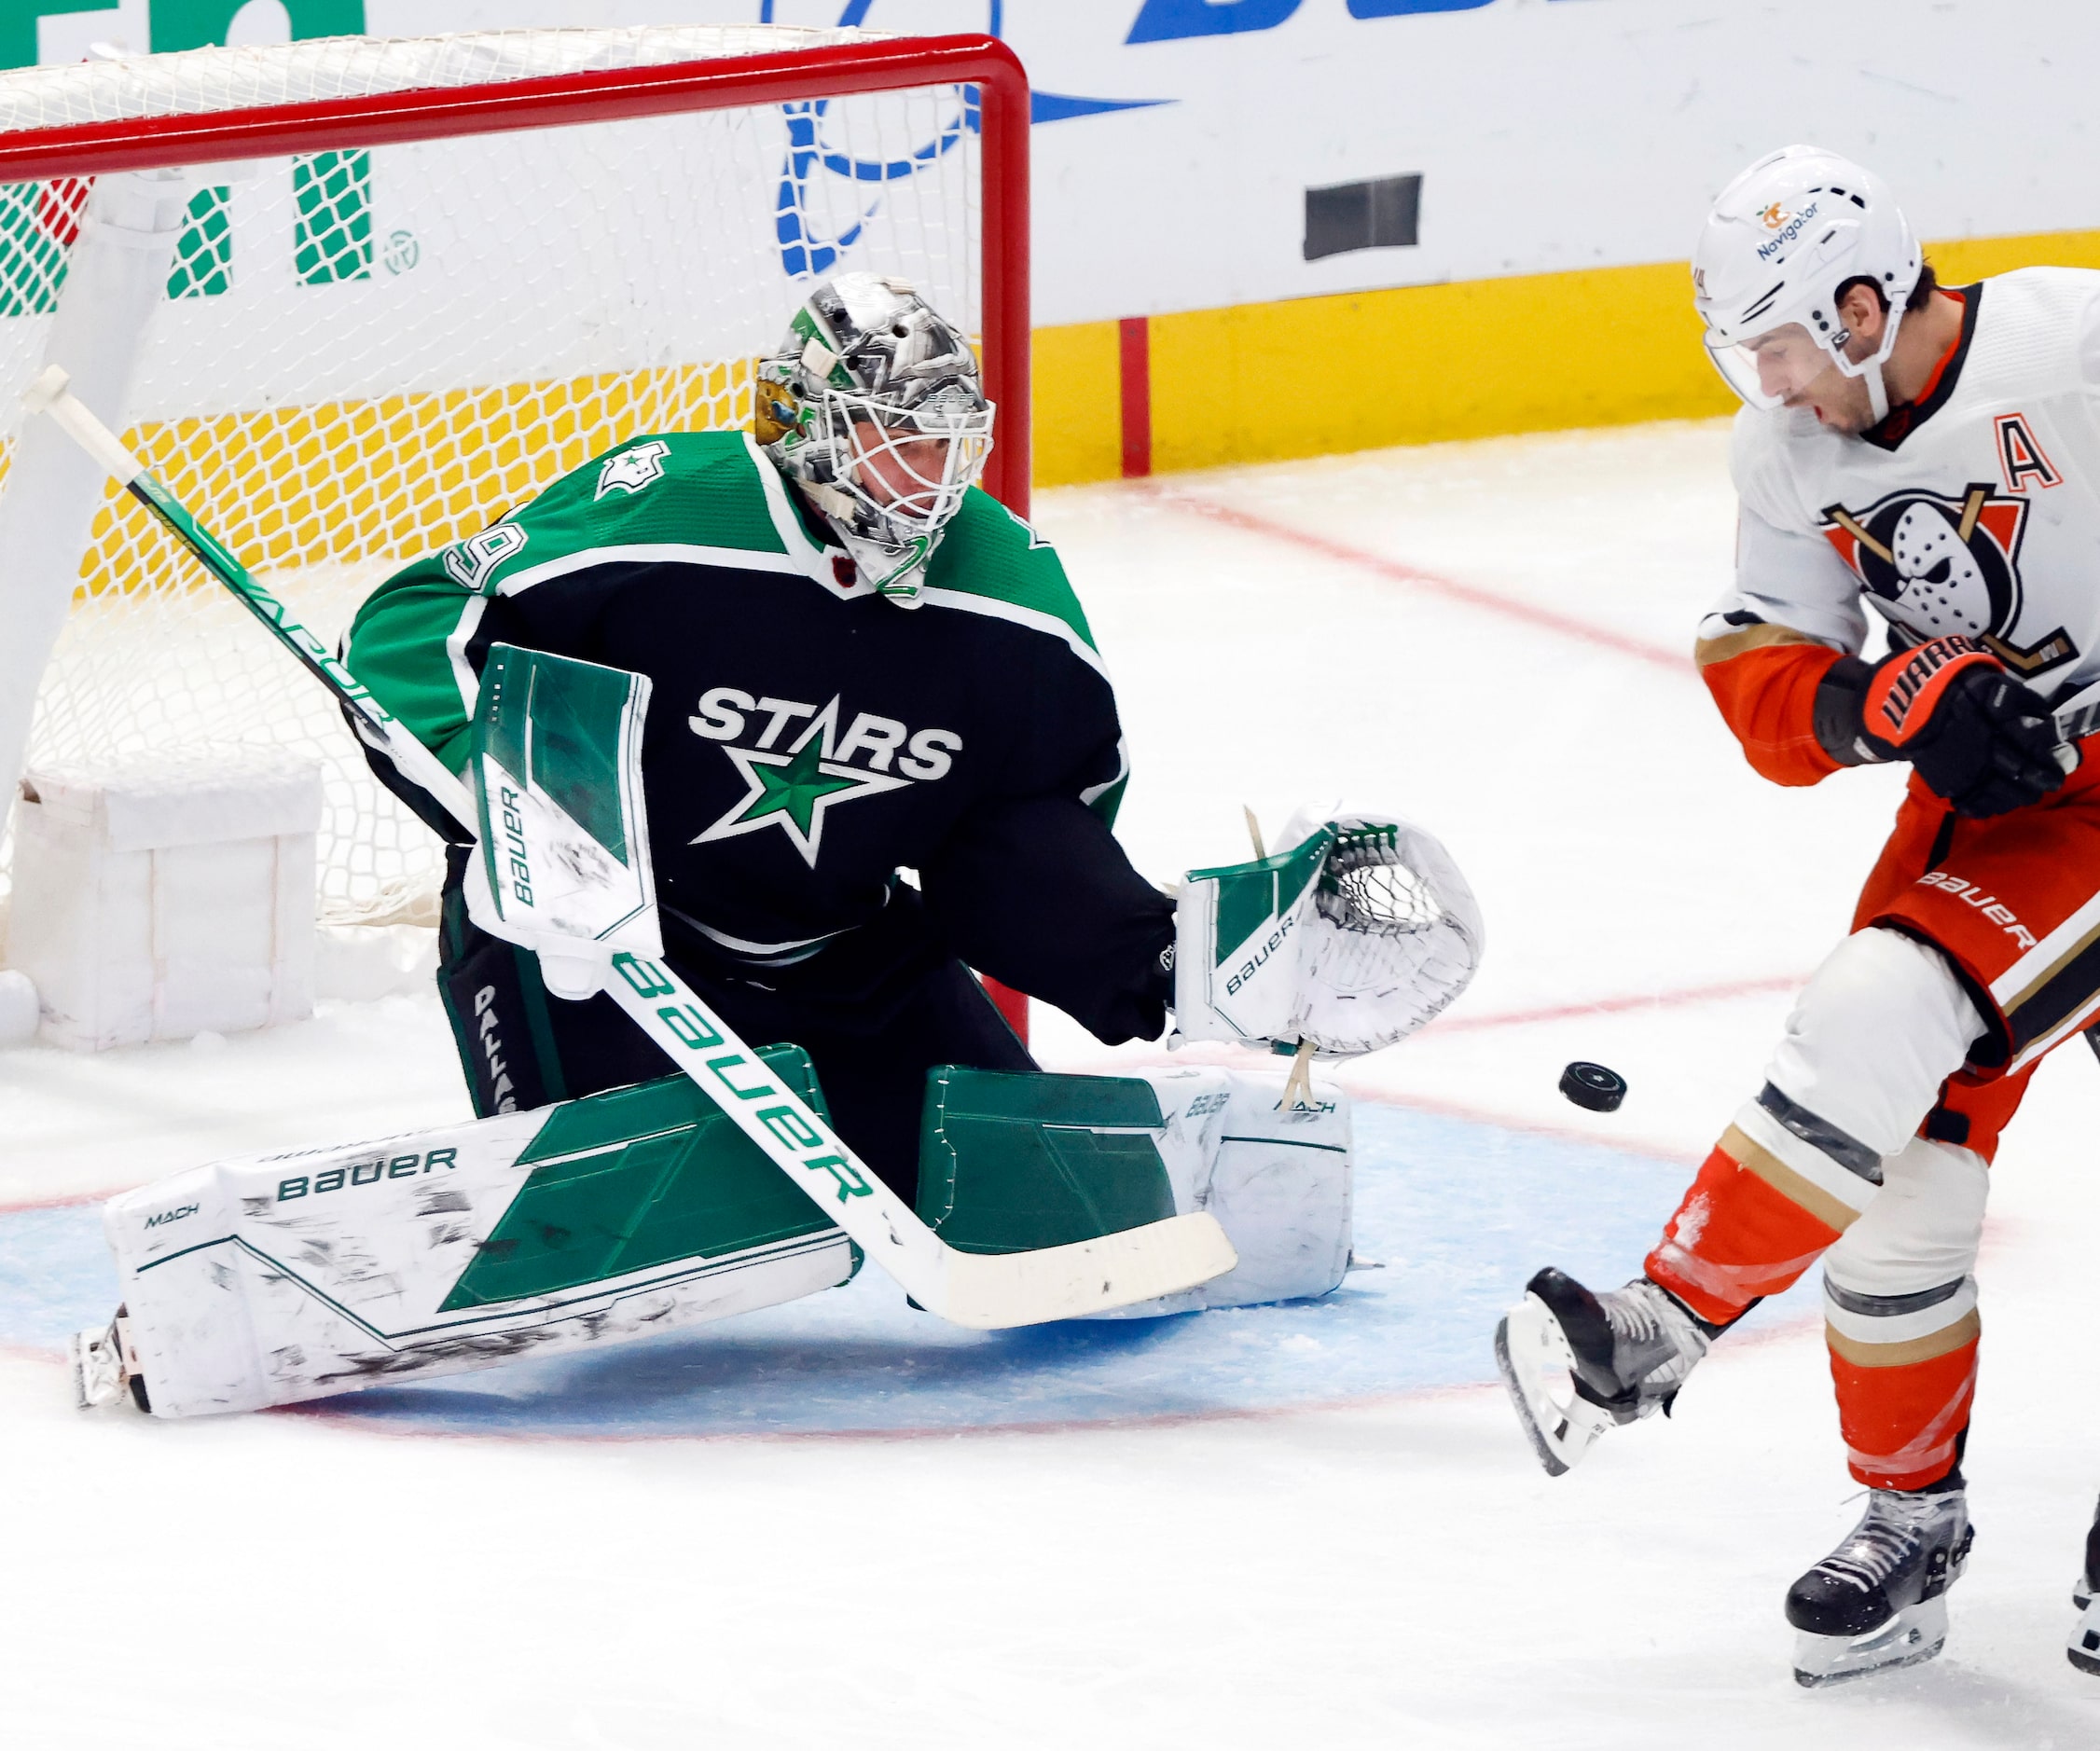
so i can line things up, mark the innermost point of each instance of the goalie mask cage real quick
(382, 291)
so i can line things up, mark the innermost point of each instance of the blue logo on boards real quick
(1175, 20)
(811, 236)
(803, 251)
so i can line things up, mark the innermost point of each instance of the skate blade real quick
(2083, 1650)
(97, 1370)
(1537, 1368)
(1914, 1634)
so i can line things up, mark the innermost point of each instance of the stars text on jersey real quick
(798, 766)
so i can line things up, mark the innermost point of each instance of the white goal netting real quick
(363, 355)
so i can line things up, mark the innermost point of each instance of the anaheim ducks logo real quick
(1938, 565)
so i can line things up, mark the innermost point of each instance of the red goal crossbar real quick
(552, 100)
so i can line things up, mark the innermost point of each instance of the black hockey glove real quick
(1976, 736)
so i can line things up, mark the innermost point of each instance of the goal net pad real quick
(353, 300)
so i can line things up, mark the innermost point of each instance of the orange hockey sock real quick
(1902, 1407)
(1736, 1237)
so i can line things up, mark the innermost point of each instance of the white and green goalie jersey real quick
(807, 739)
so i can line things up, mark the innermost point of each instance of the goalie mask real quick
(1782, 243)
(874, 405)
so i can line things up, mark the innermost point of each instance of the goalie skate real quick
(1576, 1363)
(2084, 1650)
(104, 1365)
(1880, 1599)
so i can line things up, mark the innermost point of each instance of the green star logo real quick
(793, 791)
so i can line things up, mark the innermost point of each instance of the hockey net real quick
(366, 351)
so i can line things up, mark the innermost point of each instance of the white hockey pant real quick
(1831, 1144)
(1881, 1026)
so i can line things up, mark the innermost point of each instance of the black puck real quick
(1593, 1086)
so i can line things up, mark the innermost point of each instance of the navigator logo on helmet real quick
(874, 407)
(1782, 243)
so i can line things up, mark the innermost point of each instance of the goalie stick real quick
(987, 1291)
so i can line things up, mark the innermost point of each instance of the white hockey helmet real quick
(1783, 240)
(874, 403)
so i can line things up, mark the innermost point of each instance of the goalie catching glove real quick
(1350, 939)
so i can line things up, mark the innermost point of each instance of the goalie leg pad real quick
(1008, 1162)
(274, 1279)
(1281, 1188)
(1278, 1179)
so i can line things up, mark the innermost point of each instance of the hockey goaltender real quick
(825, 723)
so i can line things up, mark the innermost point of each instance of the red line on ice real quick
(1685, 994)
(1245, 1058)
(1615, 1006)
(1531, 1128)
(1400, 572)
(64, 1200)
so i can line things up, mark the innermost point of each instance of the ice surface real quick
(1486, 638)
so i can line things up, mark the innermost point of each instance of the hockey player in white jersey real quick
(1928, 457)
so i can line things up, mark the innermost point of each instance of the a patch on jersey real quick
(2021, 456)
(795, 788)
(471, 563)
(630, 470)
(1938, 565)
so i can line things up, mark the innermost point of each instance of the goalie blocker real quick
(273, 1279)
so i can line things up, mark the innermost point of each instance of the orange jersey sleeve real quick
(1763, 678)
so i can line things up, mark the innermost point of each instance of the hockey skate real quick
(1577, 1363)
(104, 1365)
(1880, 1598)
(2084, 1649)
